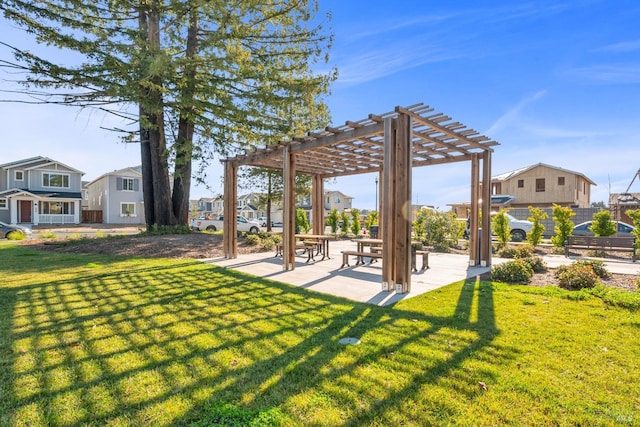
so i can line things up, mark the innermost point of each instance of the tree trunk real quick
(184, 144)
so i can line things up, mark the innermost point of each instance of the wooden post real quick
(387, 207)
(473, 219)
(317, 203)
(485, 245)
(230, 226)
(402, 193)
(289, 202)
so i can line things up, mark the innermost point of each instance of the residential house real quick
(119, 196)
(247, 205)
(39, 190)
(620, 203)
(336, 200)
(543, 185)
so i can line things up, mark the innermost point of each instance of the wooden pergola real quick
(390, 144)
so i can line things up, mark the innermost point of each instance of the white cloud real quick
(513, 113)
(622, 47)
(607, 73)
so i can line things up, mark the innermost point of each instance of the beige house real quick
(542, 185)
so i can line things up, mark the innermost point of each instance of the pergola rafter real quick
(390, 144)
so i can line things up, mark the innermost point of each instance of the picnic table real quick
(375, 252)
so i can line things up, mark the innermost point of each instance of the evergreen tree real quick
(195, 78)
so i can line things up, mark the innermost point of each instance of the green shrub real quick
(563, 225)
(516, 271)
(268, 244)
(156, 230)
(500, 227)
(537, 230)
(576, 276)
(524, 251)
(440, 230)
(252, 239)
(602, 225)
(597, 266)
(536, 263)
(355, 221)
(333, 219)
(16, 235)
(48, 235)
(508, 252)
(277, 238)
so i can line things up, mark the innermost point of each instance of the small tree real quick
(355, 221)
(602, 225)
(371, 219)
(332, 220)
(344, 228)
(441, 230)
(635, 217)
(537, 230)
(501, 228)
(563, 225)
(302, 222)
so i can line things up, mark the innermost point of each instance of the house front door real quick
(24, 211)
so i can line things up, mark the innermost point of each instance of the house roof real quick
(132, 170)
(330, 192)
(35, 163)
(41, 194)
(509, 175)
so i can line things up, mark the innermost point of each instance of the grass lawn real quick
(97, 340)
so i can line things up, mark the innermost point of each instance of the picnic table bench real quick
(610, 243)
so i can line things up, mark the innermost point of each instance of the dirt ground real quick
(203, 245)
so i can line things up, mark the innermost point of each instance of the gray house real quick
(119, 196)
(39, 190)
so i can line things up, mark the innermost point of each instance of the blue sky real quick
(553, 82)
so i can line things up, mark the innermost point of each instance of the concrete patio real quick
(363, 282)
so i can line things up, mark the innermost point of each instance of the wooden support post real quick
(485, 244)
(289, 202)
(230, 226)
(317, 203)
(473, 218)
(403, 215)
(387, 207)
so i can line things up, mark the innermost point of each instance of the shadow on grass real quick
(171, 344)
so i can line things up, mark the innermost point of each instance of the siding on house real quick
(119, 196)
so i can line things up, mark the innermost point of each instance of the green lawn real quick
(96, 340)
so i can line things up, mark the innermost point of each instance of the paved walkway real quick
(363, 283)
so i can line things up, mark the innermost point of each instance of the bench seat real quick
(611, 243)
(360, 255)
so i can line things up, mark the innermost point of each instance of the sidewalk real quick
(363, 283)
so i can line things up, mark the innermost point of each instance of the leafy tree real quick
(355, 221)
(537, 230)
(602, 225)
(371, 219)
(192, 78)
(634, 214)
(344, 228)
(599, 204)
(441, 230)
(302, 221)
(501, 228)
(332, 220)
(563, 227)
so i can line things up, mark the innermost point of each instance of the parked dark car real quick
(7, 230)
(582, 229)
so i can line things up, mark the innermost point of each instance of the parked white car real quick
(244, 225)
(519, 228)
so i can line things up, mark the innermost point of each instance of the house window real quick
(521, 183)
(338, 199)
(19, 176)
(561, 180)
(57, 208)
(539, 185)
(3, 203)
(127, 209)
(127, 184)
(57, 180)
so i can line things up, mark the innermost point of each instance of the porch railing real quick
(56, 219)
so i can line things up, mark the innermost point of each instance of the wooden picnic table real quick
(377, 243)
(322, 243)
